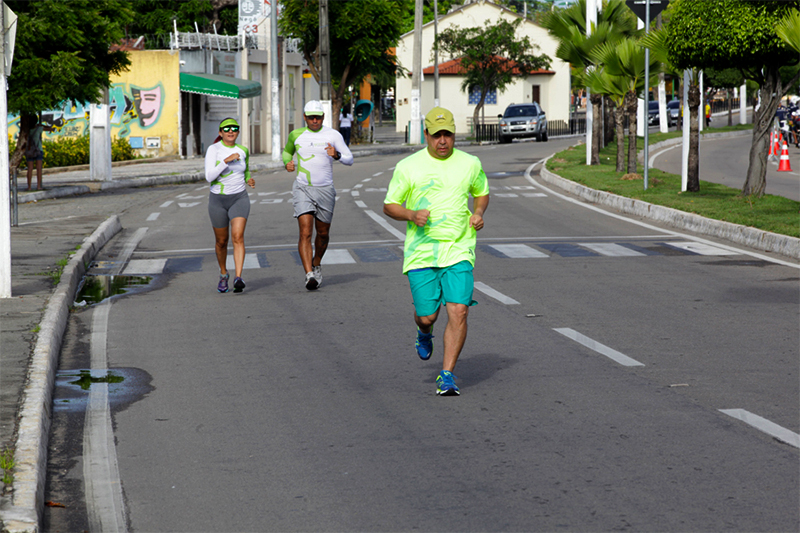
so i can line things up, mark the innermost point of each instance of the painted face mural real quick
(148, 104)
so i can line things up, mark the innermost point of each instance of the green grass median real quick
(769, 213)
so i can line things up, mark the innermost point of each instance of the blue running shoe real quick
(223, 283)
(424, 344)
(445, 384)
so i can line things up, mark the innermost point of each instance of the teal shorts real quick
(431, 287)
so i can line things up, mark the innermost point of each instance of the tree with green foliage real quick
(154, 19)
(614, 22)
(492, 56)
(62, 52)
(361, 35)
(623, 62)
(738, 34)
(728, 79)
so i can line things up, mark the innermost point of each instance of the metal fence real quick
(555, 128)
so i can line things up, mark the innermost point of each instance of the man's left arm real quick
(479, 205)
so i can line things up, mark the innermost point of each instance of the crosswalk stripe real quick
(517, 251)
(337, 257)
(610, 249)
(700, 248)
(141, 267)
(499, 296)
(250, 261)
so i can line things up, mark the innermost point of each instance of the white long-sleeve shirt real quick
(227, 178)
(314, 165)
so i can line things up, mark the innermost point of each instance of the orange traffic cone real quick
(784, 165)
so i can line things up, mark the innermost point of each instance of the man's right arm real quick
(398, 212)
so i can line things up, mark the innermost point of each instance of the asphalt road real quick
(604, 380)
(725, 161)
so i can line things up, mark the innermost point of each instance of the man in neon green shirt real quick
(435, 185)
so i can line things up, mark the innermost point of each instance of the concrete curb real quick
(27, 500)
(744, 235)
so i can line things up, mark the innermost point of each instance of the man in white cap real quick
(317, 147)
(435, 185)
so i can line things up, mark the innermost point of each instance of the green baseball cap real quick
(439, 119)
(228, 122)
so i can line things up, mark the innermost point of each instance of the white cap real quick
(314, 107)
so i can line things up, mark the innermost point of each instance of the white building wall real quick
(554, 88)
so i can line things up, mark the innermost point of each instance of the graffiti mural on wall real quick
(129, 105)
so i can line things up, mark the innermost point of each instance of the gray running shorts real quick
(319, 201)
(222, 208)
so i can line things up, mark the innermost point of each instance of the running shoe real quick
(424, 344)
(317, 270)
(311, 281)
(445, 384)
(223, 283)
(238, 285)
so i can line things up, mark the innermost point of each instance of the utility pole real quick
(5, 211)
(415, 128)
(325, 62)
(276, 104)
(435, 54)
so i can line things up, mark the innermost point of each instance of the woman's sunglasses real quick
(226, 129)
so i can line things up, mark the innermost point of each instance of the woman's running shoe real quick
(311, 281)
(445, 384)
(238, 285)
(223, 283)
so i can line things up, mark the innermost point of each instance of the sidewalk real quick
(33, 320)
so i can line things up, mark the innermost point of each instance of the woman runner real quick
(227, 170)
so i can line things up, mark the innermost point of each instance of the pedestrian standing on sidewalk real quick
(34, 153)
(346, 124)
(435, 185)
(314, 196)
(227, 170)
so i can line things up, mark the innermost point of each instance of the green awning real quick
(216, 85)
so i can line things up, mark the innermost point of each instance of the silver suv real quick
(523, 120)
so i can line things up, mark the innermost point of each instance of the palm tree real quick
(568, 26)
(789, 30)
(656, 41)
(626, 60)
(614, 87)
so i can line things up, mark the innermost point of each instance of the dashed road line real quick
(764, 425)
(602, 349)
(152, 216)
(497, 295)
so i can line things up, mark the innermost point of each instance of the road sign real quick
(639, 7)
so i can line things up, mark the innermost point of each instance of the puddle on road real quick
(96, 288)
(125, 386)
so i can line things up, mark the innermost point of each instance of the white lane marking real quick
(253, 201)
(355, 193)
(188, 204)
(361, 204)
(344, 191)
(610, 249)
(762, 424)
(385, 224)
(46, 221)
(376, 189)
(201, 188)
(102, 485)
(650, 226)
(702, 248)
(518, 251)
(534, 195)
(142, 267)
(377, 174)
(271, 201)
(358, 186)
(665, 150)
(370, 179)
(152, 216)
(166, 204)
(592, 344)
(337, 257)
(266, 193)
(491, 293)
(250, 261)
(522, 187)
(184, 197)
(506, 195)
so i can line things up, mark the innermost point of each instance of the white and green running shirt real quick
(314, 165)
(442, 187)
(227, 178)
